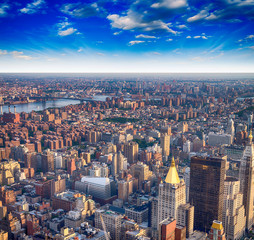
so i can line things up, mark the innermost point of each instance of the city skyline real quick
(127, 36)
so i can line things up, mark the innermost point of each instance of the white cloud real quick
(3, 8)
(20, 55)
(250, 37)
(201, 15)
(117, 33)
(171, 4)
(203, 36)
(67, 32)
(3, 52)
(80, 50)
(131, 43)
(144, 36)
(156, 53)
(182, 26)
(65, 28)
(251, 47)
(33, 7)
(169, 40)
(81, 10)
(132, 21)
(100, 54)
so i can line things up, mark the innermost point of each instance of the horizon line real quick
(128, 72)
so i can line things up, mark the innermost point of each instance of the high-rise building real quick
(186, 178)
(131, 152)
(153, 214)
(3, 211)
(141, 172)
(71, 167)
(47, 161)
(111, 220)
(165, 145)
(230, 128)
(185, 217)
(114, 165)
(125, 188)
(250, 120)
(206, 190)
(233, 217)
(247, 181)
(216, 232)
(171, 195)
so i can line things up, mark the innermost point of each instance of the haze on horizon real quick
(163, 36)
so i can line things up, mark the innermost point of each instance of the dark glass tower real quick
(206, 190)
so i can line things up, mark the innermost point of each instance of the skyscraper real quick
(165, 145)
(247, 181)
(141, 172)
(131, 152)
(118, 162)
(206, 190)
(171, 195)
(231, 129)
(233, 217)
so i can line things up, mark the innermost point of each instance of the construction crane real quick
(104, 228)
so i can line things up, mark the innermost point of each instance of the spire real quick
(250, 136)
(173, 164)
(172, 176)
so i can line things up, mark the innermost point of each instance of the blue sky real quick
(127, 36)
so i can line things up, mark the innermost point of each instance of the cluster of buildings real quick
(173, 161)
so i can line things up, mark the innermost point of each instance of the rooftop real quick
(96, 180)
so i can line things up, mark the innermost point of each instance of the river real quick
(39, 106)
(58, 103)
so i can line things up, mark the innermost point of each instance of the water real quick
(39, 106)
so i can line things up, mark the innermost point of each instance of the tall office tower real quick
(185, 217)
(186, 178)
(118, 161)
(131, 152)
(47, 161)
(217, 231)
(233, 217)
(94, 137)
(125, 188)
(141, 172)
(250, 120)
(114, 165)
(206, 190)
(247, 180)
(171, 195)
(165, 145)
(153, 213)
(231, 128)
